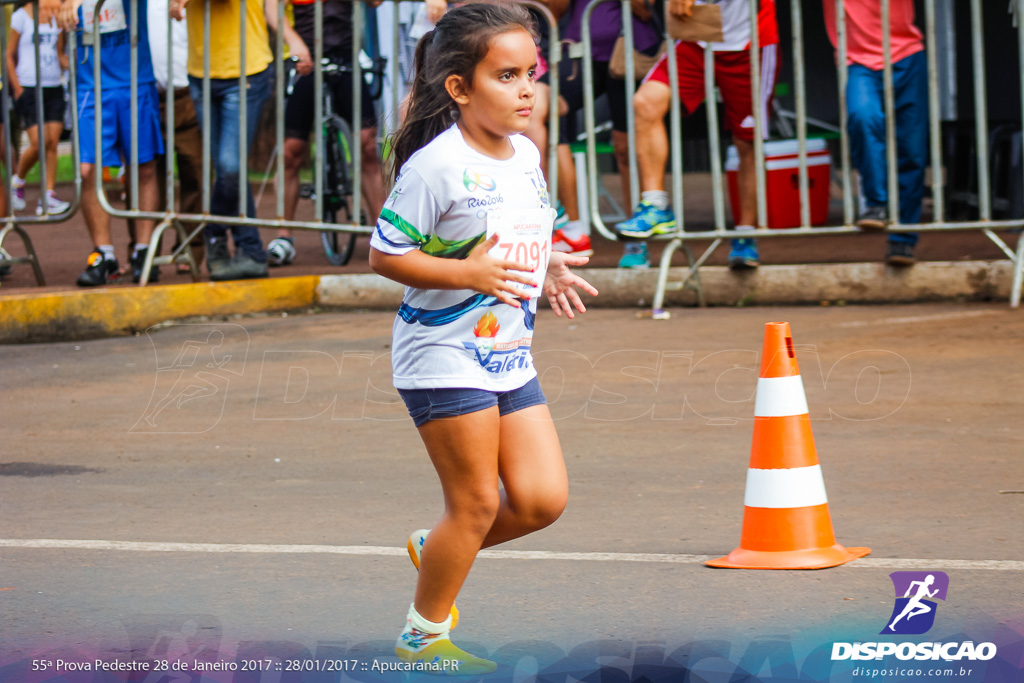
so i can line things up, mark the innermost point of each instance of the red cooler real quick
(782, 181)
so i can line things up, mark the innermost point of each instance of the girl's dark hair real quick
(458, 43)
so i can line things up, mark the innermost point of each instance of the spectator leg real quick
(866, 125)
(746, 180)
(651, 103)
(96, 219)
(910, 77)
(372, 175)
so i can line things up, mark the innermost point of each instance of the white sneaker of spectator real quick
(17, 194)
(53, 205)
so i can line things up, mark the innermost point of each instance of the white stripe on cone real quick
(795, 487)
(780, 397)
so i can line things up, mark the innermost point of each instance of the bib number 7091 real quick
(524, 238)
(533, 253)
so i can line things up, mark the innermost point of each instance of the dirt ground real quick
(63, 247)
(279, 448)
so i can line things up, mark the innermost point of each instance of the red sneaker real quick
(577, 247)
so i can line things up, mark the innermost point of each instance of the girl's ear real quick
(457, 90)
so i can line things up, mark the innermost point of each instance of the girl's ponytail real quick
(430, 108)
(454, 47)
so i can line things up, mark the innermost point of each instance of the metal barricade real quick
(171, 219)
(939, 223)
(10, 222)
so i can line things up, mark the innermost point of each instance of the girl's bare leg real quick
(464, 451)
(470, 453)
(532, 470)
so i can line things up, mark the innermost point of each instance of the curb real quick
(107, 312)
(768, 285)
(86, 314)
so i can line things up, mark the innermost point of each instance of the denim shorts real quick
(425, 405)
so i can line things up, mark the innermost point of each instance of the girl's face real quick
(500, 100)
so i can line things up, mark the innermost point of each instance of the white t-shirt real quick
(25, 25)
(736, 24)
(158, 18)
(459, 338)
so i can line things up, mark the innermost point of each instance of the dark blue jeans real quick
(866, 121)
(225, 125)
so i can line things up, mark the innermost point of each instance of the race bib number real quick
(524, 237)
(111, 17)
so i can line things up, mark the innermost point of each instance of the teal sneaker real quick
(648, 220)
(744, 254)
(635, 256)
(561, 219)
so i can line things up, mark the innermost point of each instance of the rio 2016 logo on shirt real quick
(913, 613)
(472, 180)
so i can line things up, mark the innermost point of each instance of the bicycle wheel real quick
(337, 159)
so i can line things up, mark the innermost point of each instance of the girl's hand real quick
(560, 284)
(493, 276)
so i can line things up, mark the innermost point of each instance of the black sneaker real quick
(100, 271)
(873, 218)
(218, 257)
(900, 254)
(241, 267)
(138, 260)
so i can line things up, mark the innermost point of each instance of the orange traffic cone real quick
(786, 523)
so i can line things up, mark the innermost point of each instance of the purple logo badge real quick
(914, 611)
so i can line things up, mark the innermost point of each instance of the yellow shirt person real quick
(224, 38)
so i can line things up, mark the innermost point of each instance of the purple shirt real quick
(605, 27)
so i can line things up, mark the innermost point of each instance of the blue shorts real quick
(431, 404)
(117, 130)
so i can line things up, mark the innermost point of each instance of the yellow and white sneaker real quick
(427, 644)
(415, 548)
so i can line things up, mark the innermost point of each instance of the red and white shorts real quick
(732, 76)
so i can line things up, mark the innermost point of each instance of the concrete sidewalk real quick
(827, 269)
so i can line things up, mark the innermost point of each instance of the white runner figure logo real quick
(915, 607)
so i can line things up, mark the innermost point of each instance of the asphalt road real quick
(233, 491)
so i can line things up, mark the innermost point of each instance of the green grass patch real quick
(65, 171)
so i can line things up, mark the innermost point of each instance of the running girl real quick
(461, 352)
(21, 67)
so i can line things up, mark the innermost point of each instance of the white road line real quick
(377, 550)
(916, 319)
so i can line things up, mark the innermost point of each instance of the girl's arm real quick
(479, 271)
(12, 63)
(560, 284)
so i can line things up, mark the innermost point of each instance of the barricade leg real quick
(692, 279)
(1018, 274)
(30, 251)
